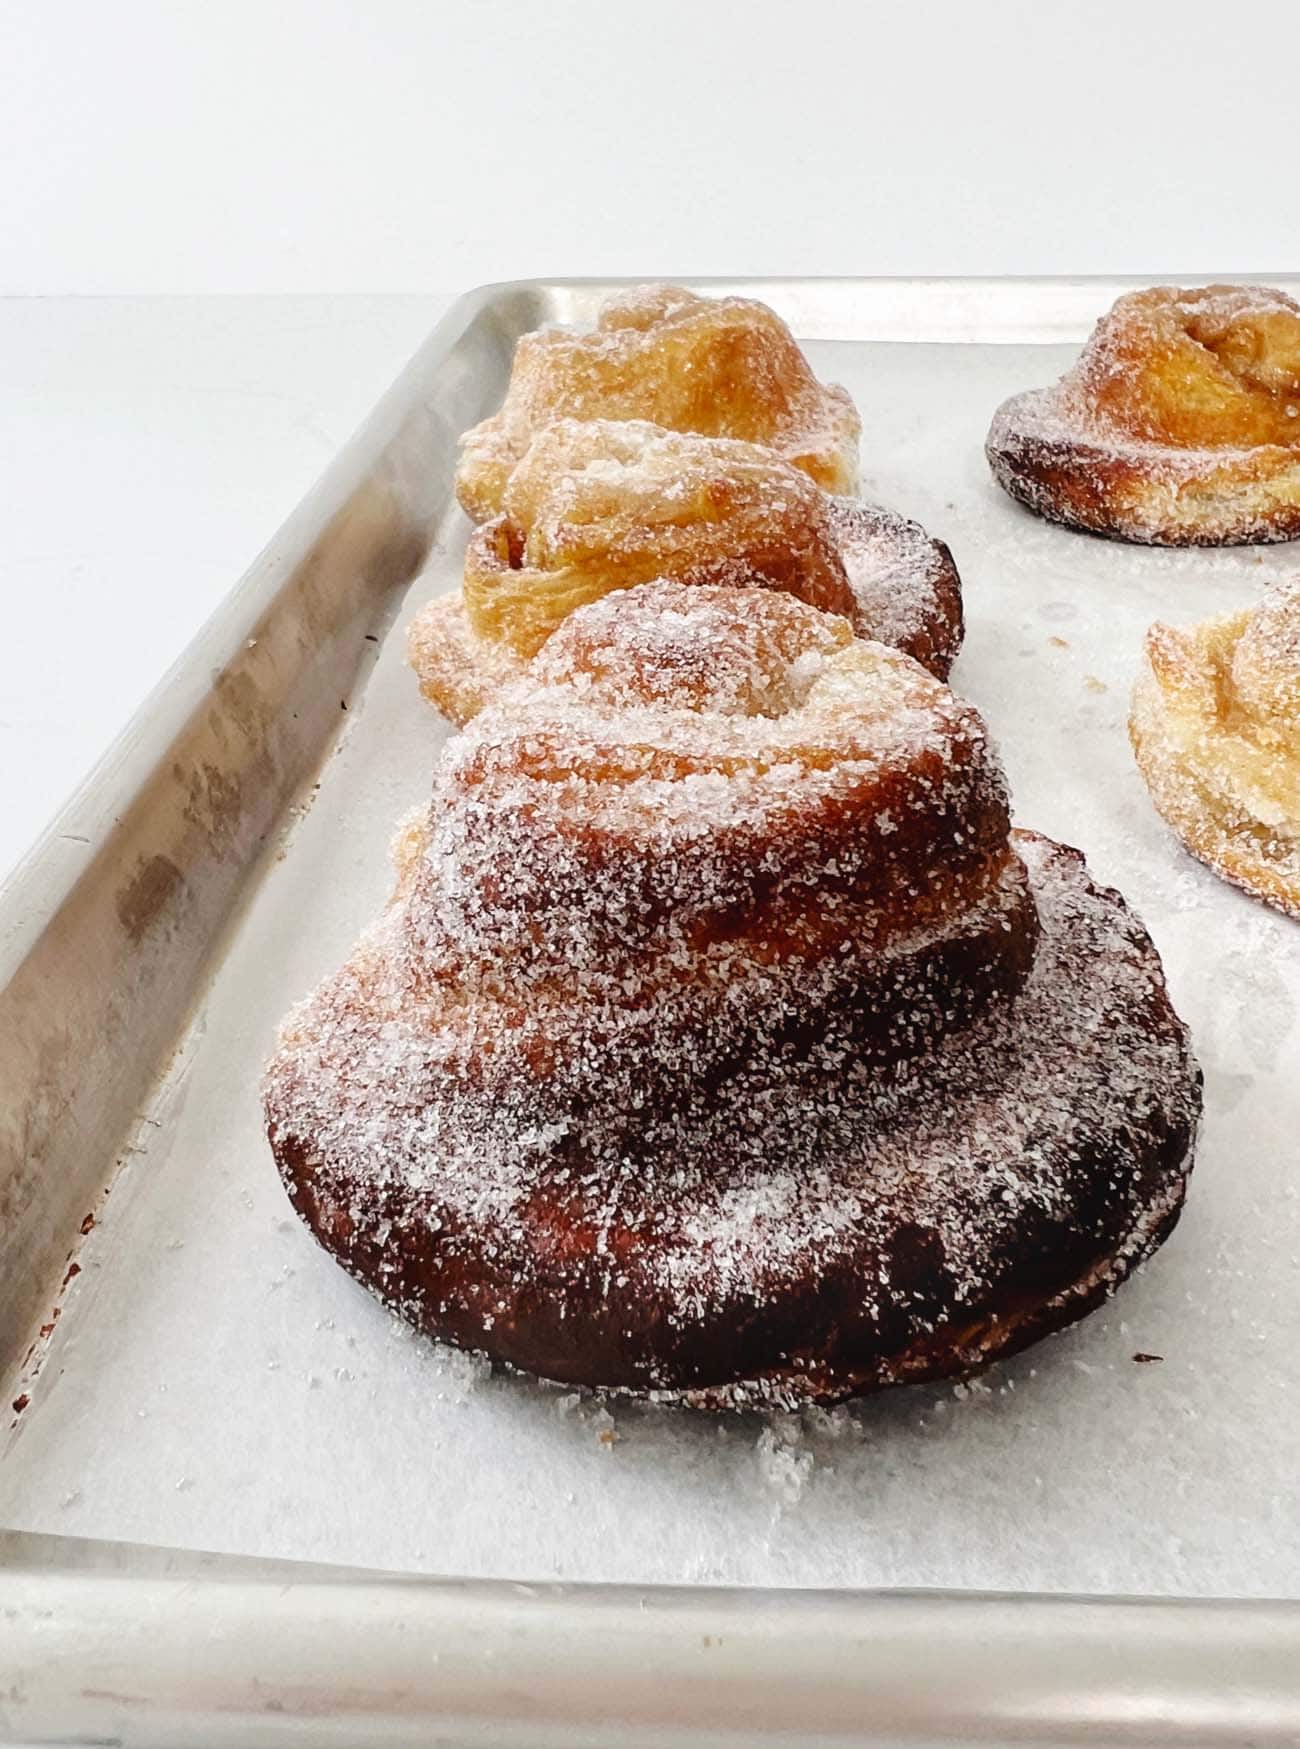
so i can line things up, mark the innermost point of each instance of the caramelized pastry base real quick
(808, 1230)
(1147, 493)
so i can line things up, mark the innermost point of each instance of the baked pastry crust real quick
(720, 1042)
(1215, 726)
(721, 367)
(599, 505)
(1178, 426)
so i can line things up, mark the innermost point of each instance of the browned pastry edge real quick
(869, 1315)
(459, 673)
(958, 1350)
(908, 594)
(1146, 494)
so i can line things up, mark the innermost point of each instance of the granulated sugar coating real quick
(1215, 726)
(718, 1042)
(1179, 425)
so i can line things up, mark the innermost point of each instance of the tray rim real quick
(154, 1629)
(42, 882)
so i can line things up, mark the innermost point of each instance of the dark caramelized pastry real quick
(722, 1041)
(1179, 426)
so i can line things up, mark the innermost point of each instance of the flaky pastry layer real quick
(1215, 726)
(606, 504)
(603, 505)
(721, 367)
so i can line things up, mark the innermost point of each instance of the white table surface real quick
(149, 447)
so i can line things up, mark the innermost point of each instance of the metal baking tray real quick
(354, 1536)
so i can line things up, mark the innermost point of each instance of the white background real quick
(147, 448)
(386, 145)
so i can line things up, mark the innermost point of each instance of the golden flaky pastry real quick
(723, 367)
(599, 505)
(1216, 729)
(1179, 425)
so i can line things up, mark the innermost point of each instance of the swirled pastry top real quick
(722, 367)
(1180, 423)
(703, 770)
(1216, 730)
(709, 827)
(1217, 367)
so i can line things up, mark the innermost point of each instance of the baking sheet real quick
(216, 1382)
